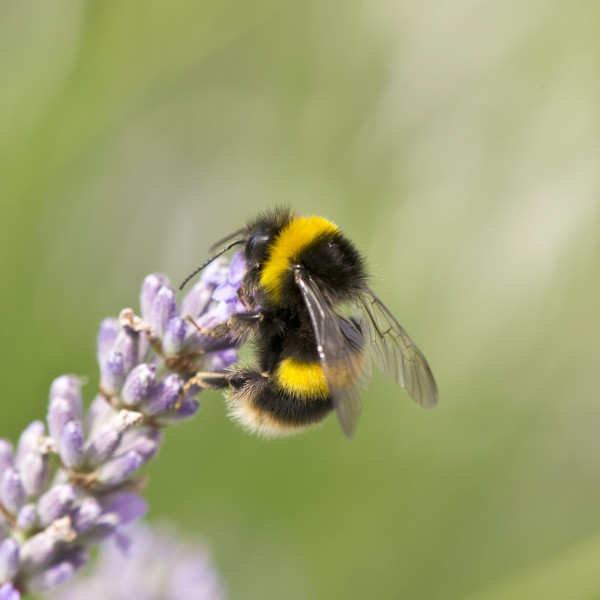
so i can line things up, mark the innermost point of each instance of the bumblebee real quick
(313, 319)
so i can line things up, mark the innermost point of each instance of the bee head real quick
(256, 248)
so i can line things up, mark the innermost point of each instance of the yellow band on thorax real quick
(286, 248)
(303, 379)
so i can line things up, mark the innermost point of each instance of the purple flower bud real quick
(189, 407)
(65, 565)
(35, 472)
(196, 301)
(59, 414)
(127, 505)
(164, 396)
(105, 441)
(56, 503)
(27, 517)
(119, 469)
(29, 440)
(112, 373)
(237, 268)
(8, 592)
(215, 316)
(12, 491)
(38, 550)
(139, 384)
(109, 328)
(71, 445)
(143, 441)
(6, 455)
(152, 283)
(174, 339)
(86, 515)
(104, 527)
(98, 415)
(102, 445)
(69, 388)
(9, 559)
(127, 344)
(164, 308)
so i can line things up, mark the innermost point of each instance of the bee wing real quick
(396, 354)
(341, 347)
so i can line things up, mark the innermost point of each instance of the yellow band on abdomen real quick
(302, 379)
(287, 246)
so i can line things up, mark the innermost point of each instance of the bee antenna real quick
(222, 251)
(226, 239)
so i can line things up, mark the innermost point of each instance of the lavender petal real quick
(219, 361)
(71, 446)
(84, 517)
(59, 414)
(109, 328)
(164, 397)
(9, 559)
(27, 518)
(35, 472)
(102, 445)
(237, 268)
(164, 308)
(8, 592)
(69, 388)
(112, 373)
(56, 503)
(119, 469)
(174, 339)
(196, 301)
(29, 440)
(143, 441)
(128, 506)
(189, 407)
(215, 273)
(139, 384)
(62, 570)
(225, 293)
(105, 526)
(98, 415)
(12, 491)
(127, 344)
(152, 283)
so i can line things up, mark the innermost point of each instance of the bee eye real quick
(256, 246)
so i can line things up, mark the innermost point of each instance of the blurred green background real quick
(457, 142)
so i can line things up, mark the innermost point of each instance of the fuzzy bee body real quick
(313, 319)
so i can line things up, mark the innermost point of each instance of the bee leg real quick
(241, 324)
(205, 380)
(219, 331)
(244, 325)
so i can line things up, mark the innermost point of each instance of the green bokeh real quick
(457, 142)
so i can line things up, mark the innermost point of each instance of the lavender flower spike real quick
(74, 483)
(158, 567)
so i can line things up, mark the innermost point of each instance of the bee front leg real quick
(242, 325)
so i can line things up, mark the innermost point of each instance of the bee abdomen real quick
(301, 379)
(281, 403)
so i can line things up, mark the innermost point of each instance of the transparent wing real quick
(396, 354)
(341, 346)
